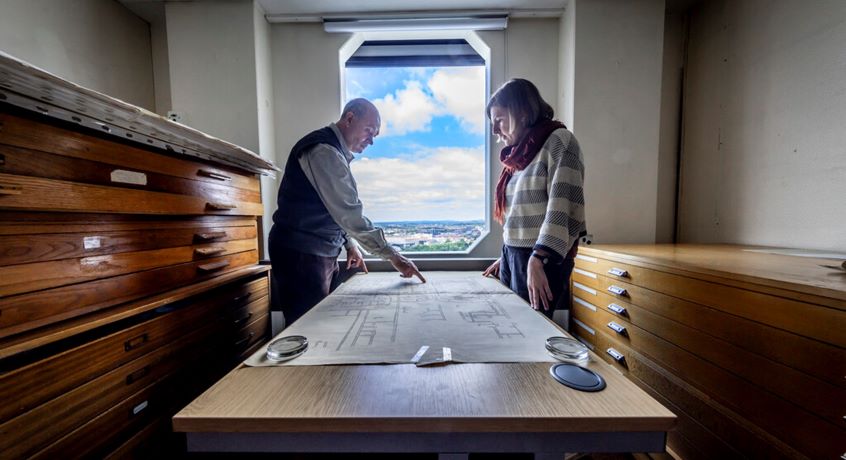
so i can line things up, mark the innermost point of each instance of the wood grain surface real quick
(774, 274)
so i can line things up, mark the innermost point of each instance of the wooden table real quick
(452, 409)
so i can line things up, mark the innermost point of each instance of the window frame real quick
(471, 254)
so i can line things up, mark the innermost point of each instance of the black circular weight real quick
(577, 377)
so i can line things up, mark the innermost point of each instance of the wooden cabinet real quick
(129, 283)
(746, 347)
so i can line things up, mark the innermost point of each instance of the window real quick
(423, 180)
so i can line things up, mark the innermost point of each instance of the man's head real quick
(359, 124)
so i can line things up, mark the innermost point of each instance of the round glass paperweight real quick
(285, 348)
(567, 350)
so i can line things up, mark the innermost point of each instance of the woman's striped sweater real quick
(545, 204)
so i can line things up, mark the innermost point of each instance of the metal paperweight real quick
(285, 348)
(567, 350)
(577, 377)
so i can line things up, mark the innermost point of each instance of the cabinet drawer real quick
(705, 428)
(242, 294)
(27, 311)
(69, 369)
(809, 320)
(246, 314)
(816, 394)
(29, 432)
(818, 359)
(798, 427)
(120, 421)
(585, 277)
(583, 313)
(33, 193)
(252, 333)
(31, 163)
(24, 133)
(17, 279)
(43, 247)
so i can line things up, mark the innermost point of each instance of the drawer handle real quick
(10, 189)
(617, 328)
(137, 409)
(221, 206)
(244, 340)
(242, 297)
(616, 355)
(214, 266)
(617, 290)
(134, 343)
(213, 175)
(137, 375)
(209, 236)
(619, 272)
(244, 319)
(205, 252)
(617, 309)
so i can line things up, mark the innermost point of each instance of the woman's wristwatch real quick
(544, 259)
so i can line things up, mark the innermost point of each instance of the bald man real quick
(319, 211)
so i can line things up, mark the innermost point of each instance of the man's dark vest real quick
(301, 221)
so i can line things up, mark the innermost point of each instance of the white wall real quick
(266, 120)
(212, 59)
(98, 44)
(668, 147)
(764, 160)
(531, 52)
(617, 114)
(161, 61)
(567, 66)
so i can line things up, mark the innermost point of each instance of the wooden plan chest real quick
(129, 282)
(747, 348)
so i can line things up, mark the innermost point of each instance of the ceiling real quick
(337, 7)
(314, 9)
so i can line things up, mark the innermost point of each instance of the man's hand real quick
(539, 292)
(355, 259)
(406, 267)
(492, 270)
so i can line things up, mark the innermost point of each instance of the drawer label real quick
(587, 258)
(581, 302)
(584, 326)
(91, 242)
(585, 273)
(129, 177)
(584, 288)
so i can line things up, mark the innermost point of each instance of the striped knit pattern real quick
(545, 203)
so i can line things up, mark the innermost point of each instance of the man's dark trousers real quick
(303, 280)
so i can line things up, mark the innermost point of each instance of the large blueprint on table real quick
(381, 318)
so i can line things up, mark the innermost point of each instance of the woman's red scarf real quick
(517, 157)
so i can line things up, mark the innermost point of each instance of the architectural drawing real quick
(378, 318)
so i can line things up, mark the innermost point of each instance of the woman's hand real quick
(493, 270)
(539, 292)
(355, 259)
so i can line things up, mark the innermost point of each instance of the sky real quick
(428, 161)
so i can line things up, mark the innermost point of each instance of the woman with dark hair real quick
(539, 197)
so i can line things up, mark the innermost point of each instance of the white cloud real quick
(439, 184)
(408, 109)
(457, 92)
(460, 92)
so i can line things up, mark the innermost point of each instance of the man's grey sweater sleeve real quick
(329, 173)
